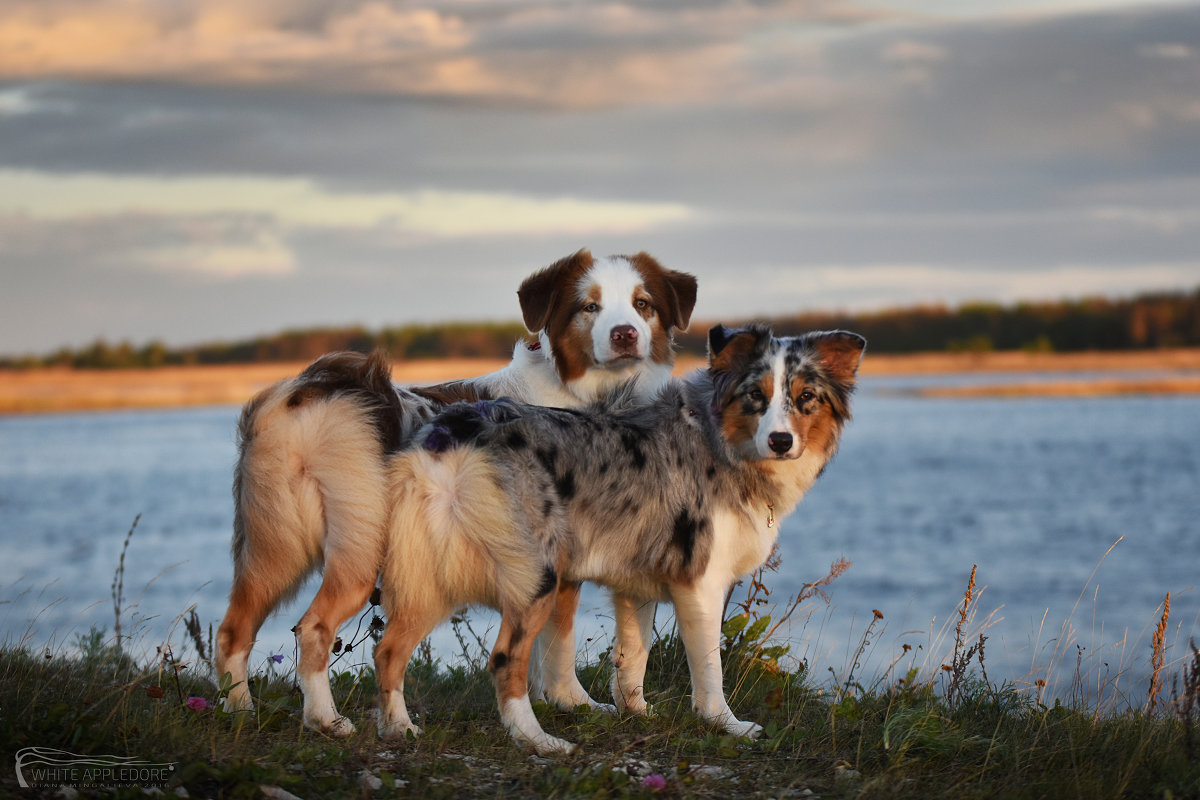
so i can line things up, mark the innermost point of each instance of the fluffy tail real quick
(368, 378)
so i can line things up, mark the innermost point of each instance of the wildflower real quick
(277, 658)
(654, 782)
(197, 704)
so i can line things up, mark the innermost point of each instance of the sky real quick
(204, 170)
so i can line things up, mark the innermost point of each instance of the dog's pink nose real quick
(623, 334)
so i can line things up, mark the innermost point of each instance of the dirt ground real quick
(57, 390)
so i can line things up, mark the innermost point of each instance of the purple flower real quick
(198, 704)
(654, 782)
(277, 658)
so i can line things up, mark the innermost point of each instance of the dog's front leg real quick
(552, 675)
(635, 627)
(698, 609)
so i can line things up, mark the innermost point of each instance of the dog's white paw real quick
(631, 702)
(603, 708)
(747, 730)
(547, 745)
(341, 727)
(397, 730)
(338, 726)
(232, 705)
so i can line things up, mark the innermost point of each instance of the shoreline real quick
(59, 390)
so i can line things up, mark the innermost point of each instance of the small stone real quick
(369, 781)
(276, 793)
(846, 775)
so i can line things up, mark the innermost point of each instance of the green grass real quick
(901, 738)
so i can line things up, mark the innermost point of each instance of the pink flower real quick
(654, 782)
(197, 704)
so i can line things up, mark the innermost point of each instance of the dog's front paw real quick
(338, 726)
(547, 745)
(236, 705)
(341, 727)
(629, 701)
(392, 731)
(747, 730)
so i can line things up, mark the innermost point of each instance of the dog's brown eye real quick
(640, 304)
(806, 395)
(592, 308)
(756, 396)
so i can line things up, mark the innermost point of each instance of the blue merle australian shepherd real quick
(501, 504)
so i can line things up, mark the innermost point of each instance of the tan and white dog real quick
(310, 485)
(503, 504)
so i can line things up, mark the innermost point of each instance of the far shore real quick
(1175, 371)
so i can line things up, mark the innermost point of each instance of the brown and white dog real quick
(310, 485)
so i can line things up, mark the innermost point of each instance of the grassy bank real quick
(898, 734)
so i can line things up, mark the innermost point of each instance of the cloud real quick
(1169, 51)
(542, 52)
(227, 225)
(301, 202)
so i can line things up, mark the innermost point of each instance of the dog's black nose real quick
(780, 442)
(623, 334)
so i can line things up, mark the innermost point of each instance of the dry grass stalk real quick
(191, 624)
(1157, 652)
(956, 688)
(118, 582)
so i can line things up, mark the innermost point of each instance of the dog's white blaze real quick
(618, 280)
(777, 418)
(521, 723)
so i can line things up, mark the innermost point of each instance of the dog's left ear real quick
(728, 348)
(540, 292)
(840, 352)
(674, 292)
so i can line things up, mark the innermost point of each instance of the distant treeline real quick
(1143, 322)
(1168, 319)
(449, 340)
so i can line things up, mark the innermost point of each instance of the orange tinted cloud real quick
(537, 52)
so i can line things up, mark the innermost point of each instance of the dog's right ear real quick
(540, 292)
(728, 348)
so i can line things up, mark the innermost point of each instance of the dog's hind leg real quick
(698, 609)
(509, 665)
(552, 663)
(345, 588)
(404, 631)
(635, 629)
(260, 582)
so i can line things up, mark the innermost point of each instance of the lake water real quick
(1033, 491)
